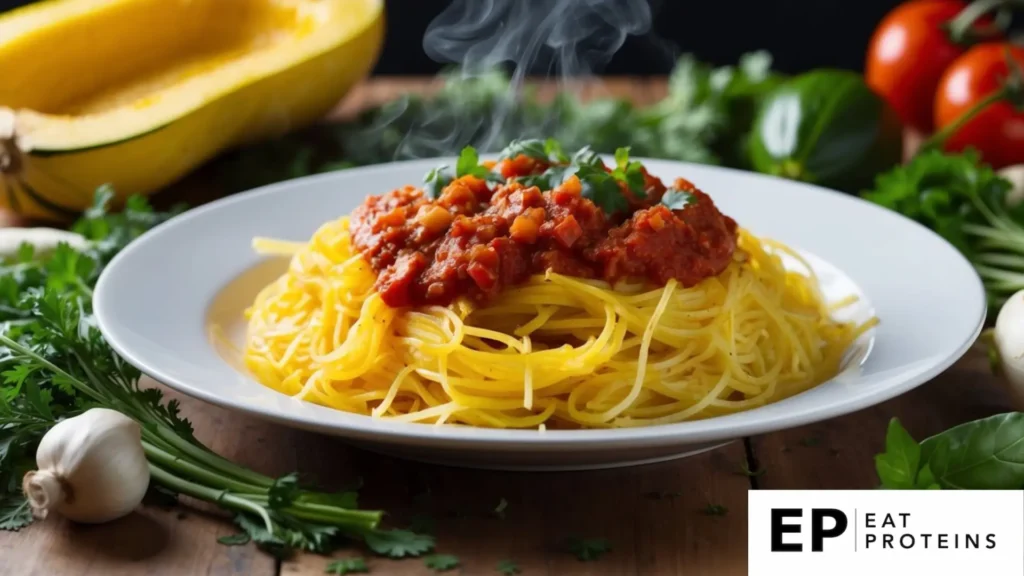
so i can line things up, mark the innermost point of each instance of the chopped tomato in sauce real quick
(474, 240)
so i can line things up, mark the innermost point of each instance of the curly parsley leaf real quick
(601, 188)
(966, 202)
(15, 512)
(347, 566)
(436, 180)
(531, 148)
(587, 549)
(508, 567)
(677, 199)
(554, 152)
(399, 543)
(441, 562)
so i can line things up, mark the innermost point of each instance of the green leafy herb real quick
(966, 202)
(715, 510)
(55, 364)
(436, 180)
(441, 562)
(587, 549)
(897, 467)
(554, 151)
(508, 567)
(15, 512)
(986, 454)
(347, 566)
(469, 165)
(676, 199)
(629, 172)
(399, 543)
(531, 148)
(239, 539)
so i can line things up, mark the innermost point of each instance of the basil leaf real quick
(897, 466)
(986, 454)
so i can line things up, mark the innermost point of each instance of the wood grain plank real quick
(839, 453)
(669, 535)
(153, 540)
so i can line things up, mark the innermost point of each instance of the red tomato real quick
(907, 55)
(997, 132)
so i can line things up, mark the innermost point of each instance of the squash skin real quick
(56, 185)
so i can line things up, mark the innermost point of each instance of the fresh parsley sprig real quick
(966, 202)
(55, 364)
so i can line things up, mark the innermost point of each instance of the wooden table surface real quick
(653, 515)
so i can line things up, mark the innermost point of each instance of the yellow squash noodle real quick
(556, 351)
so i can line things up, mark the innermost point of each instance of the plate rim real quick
(367, 428)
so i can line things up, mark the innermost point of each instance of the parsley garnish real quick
(347, 566)
(436, 180)
(586, 549)
(508, 567)
(677, 199)
(399, 543)
(441, 562)
(629, 172)
(57, 365)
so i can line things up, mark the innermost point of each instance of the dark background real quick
(800, 34)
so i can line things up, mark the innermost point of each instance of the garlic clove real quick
(92, 468)
(1009, 343)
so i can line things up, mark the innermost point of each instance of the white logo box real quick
(933, 532)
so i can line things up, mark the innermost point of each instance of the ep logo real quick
(824, 523)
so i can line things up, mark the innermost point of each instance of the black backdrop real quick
(800, 34)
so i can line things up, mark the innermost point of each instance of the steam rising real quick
(566, 38)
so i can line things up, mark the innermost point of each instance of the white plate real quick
(155, 303)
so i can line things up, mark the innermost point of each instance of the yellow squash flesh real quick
(136, 93)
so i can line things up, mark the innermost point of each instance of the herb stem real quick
(208, 458)
(222, 497)
(180, 465)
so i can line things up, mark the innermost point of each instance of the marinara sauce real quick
(477, 238)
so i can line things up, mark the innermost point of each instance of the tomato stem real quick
(937, 139)
(962, 29)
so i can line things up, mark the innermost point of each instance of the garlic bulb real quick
(92, 468)
(1009, 343)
